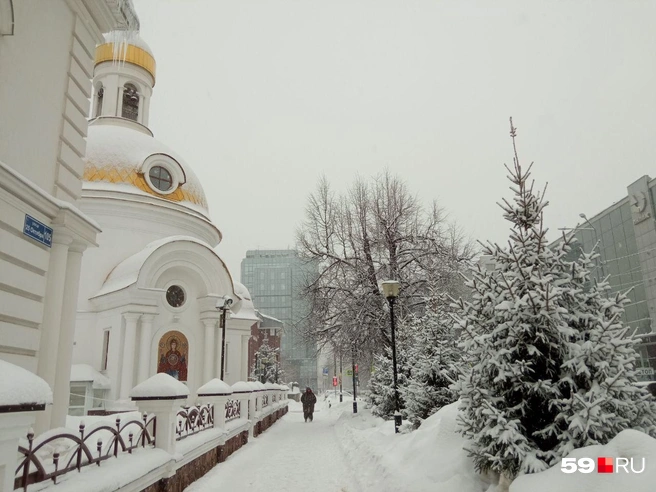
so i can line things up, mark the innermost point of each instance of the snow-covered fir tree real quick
(516, 339)
(266, 367)
(380, 396)
(433, 357)
(552, 366)
(599, 394)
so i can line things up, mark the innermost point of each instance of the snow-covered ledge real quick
(22, 395)
(242, 392)
(161, 395)
(217, 393)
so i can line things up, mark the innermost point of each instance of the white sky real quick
(261, 97)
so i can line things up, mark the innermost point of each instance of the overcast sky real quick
(263, 97)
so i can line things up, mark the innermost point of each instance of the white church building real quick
(149, 292)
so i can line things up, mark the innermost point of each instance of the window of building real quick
(160, 178)
(130, 102)
(105, 350)
(99, 100)
(77, 400)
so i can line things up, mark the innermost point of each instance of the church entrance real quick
(173, 355)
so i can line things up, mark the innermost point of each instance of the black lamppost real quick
(391, 292)
(224, 307)
(355, 401)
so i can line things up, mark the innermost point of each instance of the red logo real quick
(604, 465)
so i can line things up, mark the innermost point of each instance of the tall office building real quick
(625, 234)
(275, 279)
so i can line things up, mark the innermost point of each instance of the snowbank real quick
(429, 459)
(627, 444)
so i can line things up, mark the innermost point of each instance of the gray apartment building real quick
(275, 279)
(626, 234)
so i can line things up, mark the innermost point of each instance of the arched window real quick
(130, 102)
(99, 100)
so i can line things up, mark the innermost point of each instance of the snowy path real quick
(290, 456)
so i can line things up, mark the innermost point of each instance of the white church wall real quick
(128, 227)
(31, 97)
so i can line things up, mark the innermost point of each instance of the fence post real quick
(24, 395)
(217, 393)
(163, 396)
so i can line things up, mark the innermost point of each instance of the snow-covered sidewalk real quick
(291, 456)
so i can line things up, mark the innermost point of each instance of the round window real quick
(175, 296)
(160, 178)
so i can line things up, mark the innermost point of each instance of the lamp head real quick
(390, 289)
(224, 303)
(583, 216)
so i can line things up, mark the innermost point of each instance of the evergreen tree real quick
(381, 396)
(516, 339)
(433, 356)
(600, 397)
(266, 368)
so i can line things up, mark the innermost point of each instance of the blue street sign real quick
(37, 231)
(325, 371)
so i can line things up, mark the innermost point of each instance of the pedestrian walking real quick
(308, 400)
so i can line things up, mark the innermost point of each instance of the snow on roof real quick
(215, 387)
(269, 385)
(133, 38)
(19, 386)
(126, 273)
(241, 387)
(123, 150)
(160, 385)
(242, 291)
(84, 372)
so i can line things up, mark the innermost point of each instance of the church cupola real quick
(123, 79)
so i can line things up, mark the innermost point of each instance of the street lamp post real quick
(391, 292)
(224, 307)
(355, 401)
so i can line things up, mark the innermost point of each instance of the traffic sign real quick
(349, 372)
(325, 371)
(645, 371)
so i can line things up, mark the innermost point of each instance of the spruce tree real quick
(600, 397)
(516, 339)
(433, 358)
(380, 396)
(266, 368)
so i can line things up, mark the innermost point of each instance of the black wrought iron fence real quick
(192, 420)
(51, 455)
(232, 410)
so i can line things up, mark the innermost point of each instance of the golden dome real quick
(129, 49)
(115, 159)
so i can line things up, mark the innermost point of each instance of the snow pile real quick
(19, 386)
(627, 444)
(215, 387)
(160, 385)
(429, 459)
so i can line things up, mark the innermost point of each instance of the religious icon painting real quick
(173, 355)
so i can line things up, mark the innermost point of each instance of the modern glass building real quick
(275, 279)
(626, 236)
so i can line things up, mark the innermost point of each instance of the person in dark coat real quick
(308, 400)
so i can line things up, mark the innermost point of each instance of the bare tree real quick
(375, 231)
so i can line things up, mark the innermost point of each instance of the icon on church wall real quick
(173, 352)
